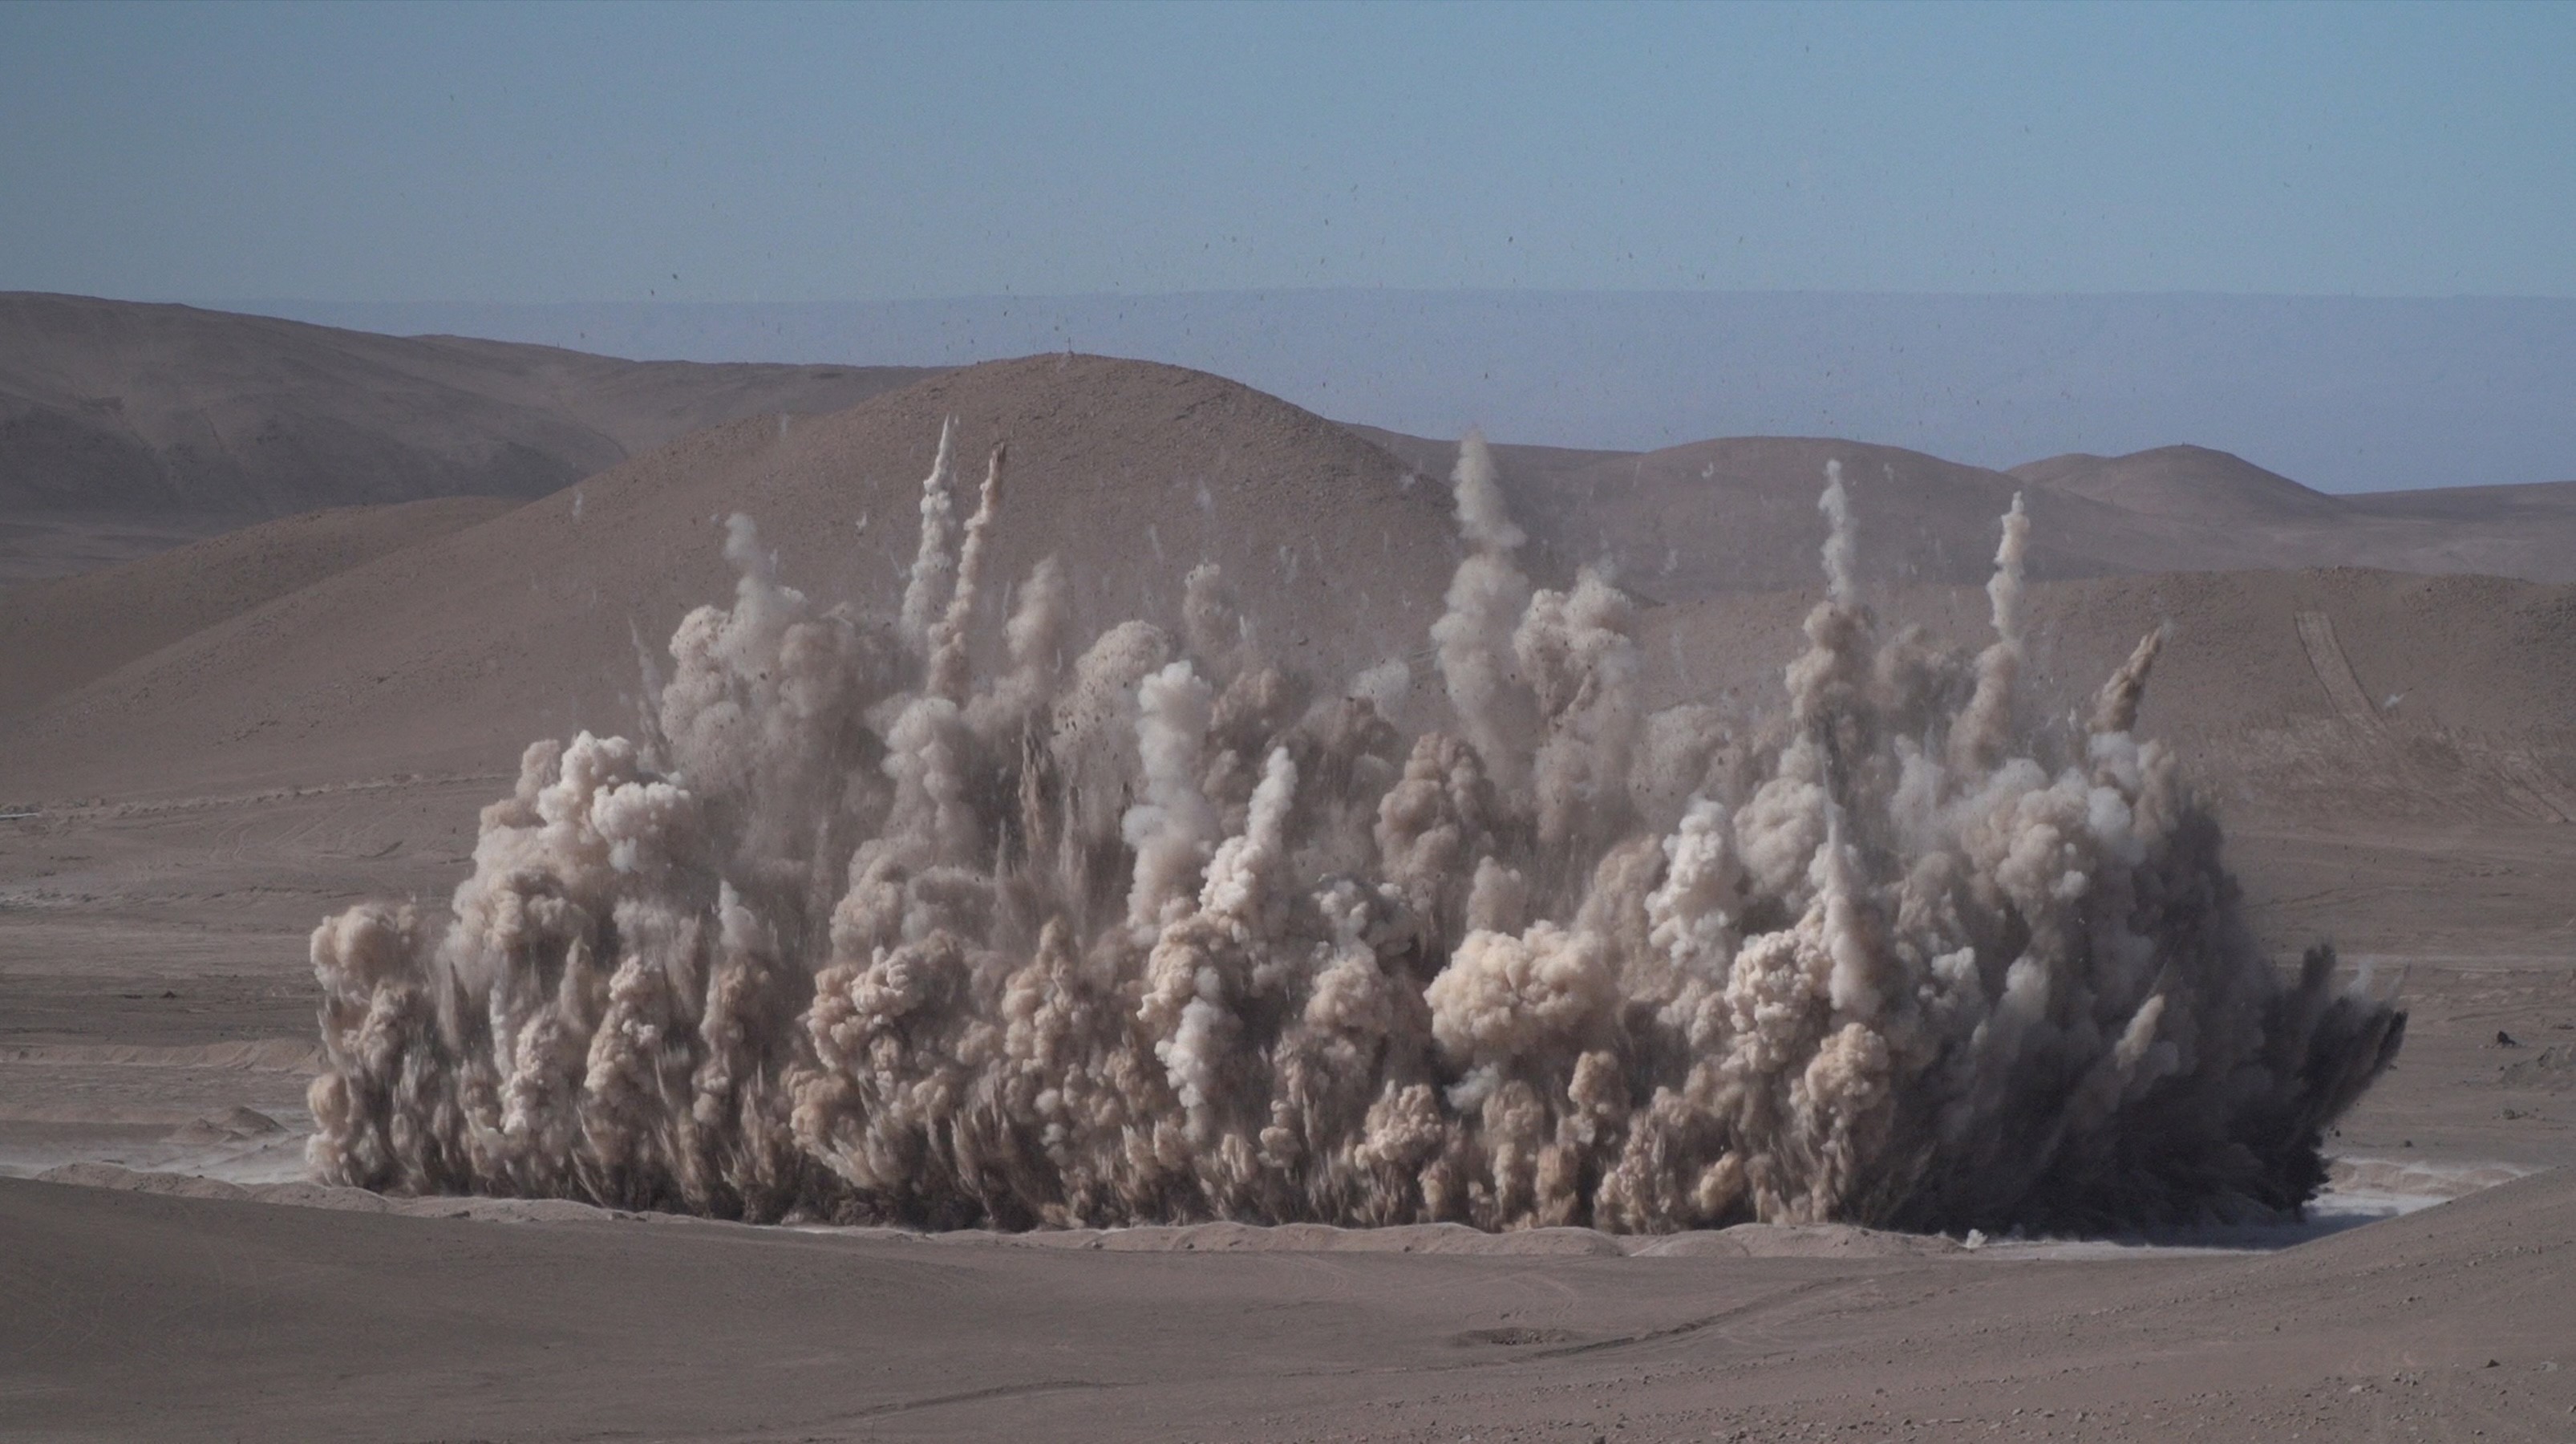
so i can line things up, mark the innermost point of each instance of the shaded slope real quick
(67, 631)
(120, 406)
(40, 543)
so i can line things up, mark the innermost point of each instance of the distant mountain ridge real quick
(2345, 393)
(172, 423)
(120, 407)
(1736, 514)
(442, 636)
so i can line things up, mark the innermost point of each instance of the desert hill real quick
(66, 630)
(204, 751)
(126, 428)
(1528, 471)
(1729, 515)
(2317, 694)
(1735, 515)
(2526, 531)
(121, 409)
(2538, 502)
(312, 649)
(461, 648)
(2192, 483)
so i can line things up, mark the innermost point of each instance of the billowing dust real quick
(1150, 930)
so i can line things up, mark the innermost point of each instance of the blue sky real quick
(537, 154)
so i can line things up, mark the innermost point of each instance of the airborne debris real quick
(853, 932)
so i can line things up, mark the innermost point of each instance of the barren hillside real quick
(468, 645)
(1732, 515)
(64, 631)
(118, 411)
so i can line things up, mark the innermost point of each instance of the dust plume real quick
(931, 564)
(1159, 932)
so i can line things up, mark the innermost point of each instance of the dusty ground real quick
(141, 1316)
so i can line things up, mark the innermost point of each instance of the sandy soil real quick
(172, 1317)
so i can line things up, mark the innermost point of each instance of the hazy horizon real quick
(2380, 393)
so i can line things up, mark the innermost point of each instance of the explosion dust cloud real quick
(1154, 931)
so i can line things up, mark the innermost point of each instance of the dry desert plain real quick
(206, 749)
